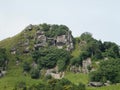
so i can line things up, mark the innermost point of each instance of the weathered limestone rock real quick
(75, 69)
(29, 27)
(39, 33)
(13, 51)
(95, 84)
(26, 43)
(51, 41)
(61, 39)
(41, 39)
(65, 40)
(26, 50)
(85, 65)
(54, 73)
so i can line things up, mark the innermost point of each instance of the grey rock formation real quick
(26, 50)
(51, 41)
(29, 27)
(95, 84)
(13, 50)
(85, 65)
(75, 69)
(41, 39)
(39, 32)
(65, 41)
(54, 73)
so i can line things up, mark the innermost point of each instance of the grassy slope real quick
(13, 76)
(77, 78)
(14, 73)
(76, 51)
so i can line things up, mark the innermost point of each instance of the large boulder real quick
(96, 84)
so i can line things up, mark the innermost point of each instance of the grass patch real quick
(77, 78)
(15, 75)
(76, 51)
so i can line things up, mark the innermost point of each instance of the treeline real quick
(95, 49)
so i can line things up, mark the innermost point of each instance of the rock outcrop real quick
(85, 64)
(62, 41)
(35, 37)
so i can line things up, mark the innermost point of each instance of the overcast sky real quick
(100, 17)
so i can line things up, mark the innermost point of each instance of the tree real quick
(111, 50)
(86, 36)
(48, 58)
(26, 66)
(108, 70)
(35, 73)
(3, 57)
(76, 61)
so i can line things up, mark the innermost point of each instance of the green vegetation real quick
(3, 57)
(26, 70)
(77, 78)
(109, 70)
(50, 57)
(96, 49)
(53, 30)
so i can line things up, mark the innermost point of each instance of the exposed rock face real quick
(62, 41)
(13, 50)
(54, 73)
(34, 37)
(40, 39)
(51, 41)
(85, 65)
(75, 69)
(65, 40)
(26, 50)
(29, 27)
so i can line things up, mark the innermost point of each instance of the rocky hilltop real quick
(34, 37)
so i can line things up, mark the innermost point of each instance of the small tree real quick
(35, 73)
(26, 66)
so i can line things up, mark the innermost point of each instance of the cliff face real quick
(35, 37)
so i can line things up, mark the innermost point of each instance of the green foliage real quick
(61, 65)
(48, 58)
(86, 36)
(96, 49)
(111, 50)
(76, 61)
(35, 73)
(54, 84)
(20, 86)
(48, 76)
(77, 78)
(26, 66)
(54, 30)
(108, 70)
(3, 57)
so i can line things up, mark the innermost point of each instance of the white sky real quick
(100, 17)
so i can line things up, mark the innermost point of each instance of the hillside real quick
(47, 54)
